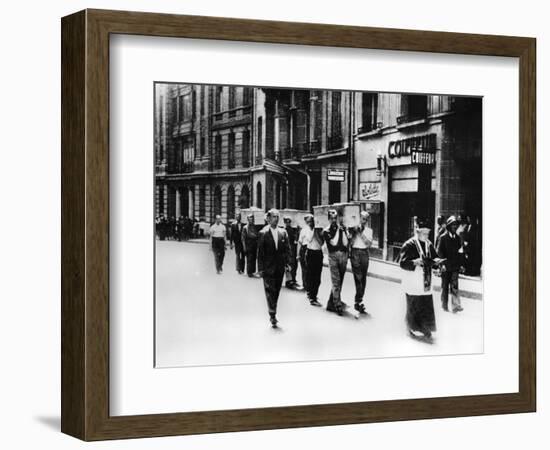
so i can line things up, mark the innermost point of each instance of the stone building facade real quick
(222, 148)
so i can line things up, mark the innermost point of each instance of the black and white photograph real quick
(305, 224)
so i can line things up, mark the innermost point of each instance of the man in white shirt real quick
(218, 235)
(361, 240)
(310, 255)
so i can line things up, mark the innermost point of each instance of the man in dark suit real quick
(273, 258)
(249, 238)
(235, 239)
(449, 249)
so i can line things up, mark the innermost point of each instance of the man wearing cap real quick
(449, 249)
(337, 239)
(293, 266)
(235, 240)
(361, 240)
(417, 258)
(218, 236)
(273, 257)
(249, 238)
(310, 254)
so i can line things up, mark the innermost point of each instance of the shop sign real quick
(369, 191)
(336, 175)
(422, 158)
(404, 147)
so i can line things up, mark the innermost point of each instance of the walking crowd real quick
(273, 253)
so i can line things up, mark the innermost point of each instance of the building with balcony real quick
(416, 155)
(222, 148)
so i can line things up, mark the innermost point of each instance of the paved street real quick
(207, 319)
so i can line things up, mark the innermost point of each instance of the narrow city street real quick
(207, 319)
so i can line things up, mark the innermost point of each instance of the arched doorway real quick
(230, 203)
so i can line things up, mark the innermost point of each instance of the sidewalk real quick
(470, 287)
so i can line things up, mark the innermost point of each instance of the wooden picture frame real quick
(85, 224)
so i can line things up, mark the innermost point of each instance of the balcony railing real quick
(408, 118)
(367, 128)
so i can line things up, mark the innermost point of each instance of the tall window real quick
(370, 111)
(414, 107)
(246, 148)
(218, 152)
(188, 151)
(336, 120)
(247, 96)
(178, 156)
(161, 200)
(202, 146)
(174, 104)
(217, 201)
(259, 195)
(232, 97)
(231, 151)
(180, 108)
(260, 140)
(202, 105)
(202, 201)
(218, 100)
(244, 199)
(230, 202)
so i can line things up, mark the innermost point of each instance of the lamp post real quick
(381, 164)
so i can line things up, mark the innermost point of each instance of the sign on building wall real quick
(369, 191)
(422, 157)
(336, 175)
(405, 147)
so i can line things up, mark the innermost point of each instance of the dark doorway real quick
(334, 191)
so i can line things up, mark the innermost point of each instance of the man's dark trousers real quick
(449, 282)
(218, 247)
(314, 262)
(251, 255)
(272, 287)
(337, 262)
(239, 258)
(360, 267)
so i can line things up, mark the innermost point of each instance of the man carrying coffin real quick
(273, 258)
(417, 258)
(337, 239)
(361, 240)
(310, 255)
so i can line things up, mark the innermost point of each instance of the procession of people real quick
(274, 253)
